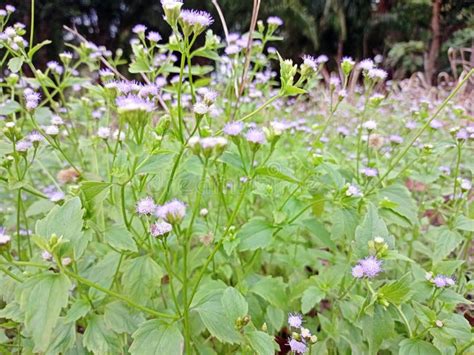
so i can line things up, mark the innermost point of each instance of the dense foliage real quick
(227, 208)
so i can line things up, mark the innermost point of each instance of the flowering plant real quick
(192, 209)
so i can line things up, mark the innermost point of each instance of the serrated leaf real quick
(78, 310)
(121, 319)
(261, 343)
(396, 292)
(276, 173)
(377, 328)
(273, 290)
(234, 304)
(63, 338)
(64, 221)
(417, 347)
(157, 338)
(310, 298)
(43, 298)
(99, 339)
(14, 64)
(120, 238)
(140, 278)
(372, 227)
(255, 234)
(91, 189)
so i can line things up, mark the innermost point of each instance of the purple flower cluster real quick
(369, 267)
(300, 335)
(440, 281)
(133, 103)
(32, 99)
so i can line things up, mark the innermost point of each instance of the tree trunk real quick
(430, 66)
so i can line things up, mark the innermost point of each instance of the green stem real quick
(32, 23)
(118, 296)
(405, 320)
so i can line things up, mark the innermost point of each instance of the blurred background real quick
(430, 36)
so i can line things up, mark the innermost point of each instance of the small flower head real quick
(172, 212)
(297, 346)
(103, 132)
(146, 206)
(366, 64)
(139, 29)
(295, 320)
(256, 136)
(4, 238)
(371, 266)
(233, 128)
(377, 74)
(23, 145)
(358, 271)
(159, 229)
(154, 36)
(200, 109)
(275, 21)
(370, 125)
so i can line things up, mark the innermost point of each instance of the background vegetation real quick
(412, 35)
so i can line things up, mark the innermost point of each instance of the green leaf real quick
(216, 320)
(157, 338)
(14, 64)
(261, 343)
(276, 173)
(417, 347)
(65, 221)
(37, 47)
(311, 297)
(464, 223)
(141, 277)
(206, 53)
(293, 90)
(120, 238)
(63, 338)
(318, 230)
(12, 311)
(255, 234)
(234, 304)
(344, 222)
(91, 189)
(139, 66)
(43, 298)
(78, 310)
(444, 241)
(275, 317)
(404, 204)
(273, 290)
(396, 292)
(99, 339)
(156, 163)
(377, 328)
(9, 107)
(121, 319)
(102, 273)
(372, 227)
